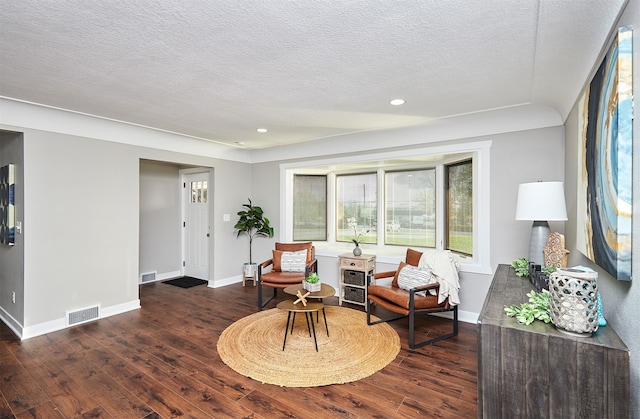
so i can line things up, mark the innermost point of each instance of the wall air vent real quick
(148, 277)
(83, 315)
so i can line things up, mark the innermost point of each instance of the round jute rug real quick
(252, 346)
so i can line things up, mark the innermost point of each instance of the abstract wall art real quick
(604, 206)
(7, 205)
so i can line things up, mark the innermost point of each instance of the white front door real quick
(195, 243)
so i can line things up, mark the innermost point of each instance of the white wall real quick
(12, 257)
(160, 218)
(516, 157)
(81, 224)
(80, 228)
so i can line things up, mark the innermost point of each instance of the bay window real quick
(428, 198)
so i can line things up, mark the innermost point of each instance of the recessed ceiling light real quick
(240, 142)
(261, 130)
(397, 102)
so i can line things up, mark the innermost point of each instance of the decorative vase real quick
(573, 301)
(357, 251)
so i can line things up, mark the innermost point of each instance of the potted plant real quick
(253, 223)
(312, 283)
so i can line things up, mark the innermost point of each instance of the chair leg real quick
(370, 323)
(412, 326)
(261, 303)
(455, 321)
(413, 345)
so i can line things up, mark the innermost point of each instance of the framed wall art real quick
(605, 180)
(7, 205)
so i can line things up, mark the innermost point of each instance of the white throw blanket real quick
(444, 266)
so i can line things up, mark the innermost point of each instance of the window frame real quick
(326, 197)
(419, 158)
(447, 211)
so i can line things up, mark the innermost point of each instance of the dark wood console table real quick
(537, 371)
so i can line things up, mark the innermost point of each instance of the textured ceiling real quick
(307, 70)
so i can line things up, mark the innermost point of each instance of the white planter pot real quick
(249, 269)
(311, 287)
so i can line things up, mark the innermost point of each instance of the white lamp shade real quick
(543, 201)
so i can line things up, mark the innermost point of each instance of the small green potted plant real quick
(253, 223)
(312, 283)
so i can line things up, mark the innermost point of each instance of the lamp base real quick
(539, 236)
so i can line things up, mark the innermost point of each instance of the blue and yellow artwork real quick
(7, 205)
(605, 180)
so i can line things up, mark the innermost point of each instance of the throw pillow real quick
(412, 276)
(296, 247)
(289, 261)
(394, 283)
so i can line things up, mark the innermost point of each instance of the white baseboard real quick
(168, 275)
(161, 277)
(59, 324)
(120, 308)
(468, 316)
(225, 281)
(12, 323)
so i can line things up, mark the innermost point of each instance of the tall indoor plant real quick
(253, 223)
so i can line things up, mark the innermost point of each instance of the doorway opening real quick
(174, 234)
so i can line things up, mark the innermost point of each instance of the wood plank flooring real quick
(161, 362)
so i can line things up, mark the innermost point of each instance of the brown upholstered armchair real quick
(283, 274)
(408, 303)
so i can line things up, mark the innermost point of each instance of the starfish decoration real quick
(301, 298)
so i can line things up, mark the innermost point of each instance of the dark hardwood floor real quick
(161, 362)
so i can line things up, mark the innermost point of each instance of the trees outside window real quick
(357, 197)
(459, 207)
(410, 208)
(399, 205)
(309, 208)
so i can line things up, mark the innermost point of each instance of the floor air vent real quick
(83, 315)
(151, 276)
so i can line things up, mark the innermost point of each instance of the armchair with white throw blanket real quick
(425, 283)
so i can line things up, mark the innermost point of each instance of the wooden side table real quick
(355, 274)
(308, 310)
(326, 291)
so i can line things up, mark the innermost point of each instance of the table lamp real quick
(540, 202)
